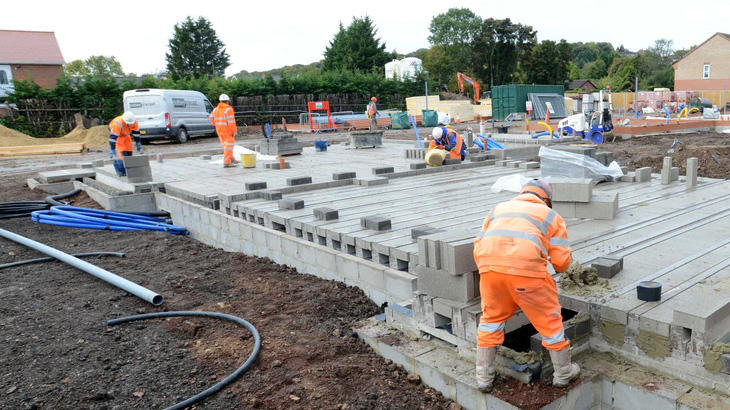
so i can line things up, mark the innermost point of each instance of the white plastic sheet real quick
(510, 183)
(239, 150)
(564, 164)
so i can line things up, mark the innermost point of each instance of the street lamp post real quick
(425, 73)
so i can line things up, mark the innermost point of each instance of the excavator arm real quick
(460, 78)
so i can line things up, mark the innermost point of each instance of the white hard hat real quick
(224, 97)
(129, 117)
(437, 133)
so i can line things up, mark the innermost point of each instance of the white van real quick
(169, 114)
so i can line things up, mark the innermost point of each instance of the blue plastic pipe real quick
(479, 144)
(74, 217)
(668, 115)
(415, 128)
(268, 130)
(543, 133)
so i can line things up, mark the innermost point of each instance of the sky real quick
(263, 35)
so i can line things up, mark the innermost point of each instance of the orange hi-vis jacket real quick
(224, 120)
(372, 108)
(519, 236)
(121, 135)
(452, 137)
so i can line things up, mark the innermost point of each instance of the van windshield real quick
(145, 104)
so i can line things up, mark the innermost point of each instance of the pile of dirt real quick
(93, 137)
(11, 138)
(581, 281)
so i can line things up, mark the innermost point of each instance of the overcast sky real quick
(262, 35)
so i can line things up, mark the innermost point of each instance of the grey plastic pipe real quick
(118, 281)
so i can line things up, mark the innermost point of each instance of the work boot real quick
(486, 356)
(564, 371)
(228, 166)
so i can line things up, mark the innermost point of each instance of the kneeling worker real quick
(121, 131)
(449, 140)
(512, 251)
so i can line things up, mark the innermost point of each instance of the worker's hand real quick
(113, 154)
(440, 146)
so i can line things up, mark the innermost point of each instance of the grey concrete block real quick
(298, 181)
(373, 181)
(277, 165)
(326, 214)
(565, 209)
(271, 195)
(513, 164)
(423, 230)
(473, 150)
(343, 175)
(254, 186)
(361, 139)
(643, 174)
(571, 189)
(291, 203)
(159, 158)
(674, 174)
(452, 161)
(608, 267)
(587, 151)
(625, 170)
(629, 177)
(99, 163)
(206, 157)
(383, 170)
(602, 206)
(478, 157)
(85, 165)
(501, 163)
(666, 176)
(667, 163)
(692, 165)
(604, 157)
(136, 161)
(437, 283)
(375, 223)
(725, 363)
(418, 165)
(457, 257)
(530, 165)
(140, 172)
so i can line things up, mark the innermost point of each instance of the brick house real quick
(29, 55)
(707, 67)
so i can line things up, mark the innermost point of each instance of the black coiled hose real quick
(25, 208)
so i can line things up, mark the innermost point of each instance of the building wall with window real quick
(707, 67)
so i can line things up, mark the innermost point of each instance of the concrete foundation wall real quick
(380, 283)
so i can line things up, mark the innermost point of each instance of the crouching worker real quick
(512, 251)
(448, 140)
(121, 131)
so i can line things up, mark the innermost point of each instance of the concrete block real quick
(437, 283)
(372, 273)
(643, 174)
(418, 165)
(604, 157)
(457, 258)
(452, 161)
(85, 165)
(667, 163)
(725, 363)
(159, 158)
(692, 165)
(571, 189)
(665, 176)
(478, 157)
(602, 206)
(608, 267)
(383, 170)
(136, 161)
(625, 170)
(530, 165)
(298, 181)
(513, 164)
(423, 230)
(206, 157)
(674, 174)
(277, 165)
(254, 186)
(139, 172)
(99, 163)
(565, 209)
(629, 177)
(361, 139)
(326, 214)
(372, 181)
(376, 223)
(343, 175)
(501, 163)
(473, 150)
(291, 203)
(271, 195)
(399, 284)
(347, 265)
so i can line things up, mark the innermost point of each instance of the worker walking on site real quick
(373, 113)
(224, 120)
(121, 131)
(512, 251)
(449, 140)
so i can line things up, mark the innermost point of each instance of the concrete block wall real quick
(380, 283)
(571, 189)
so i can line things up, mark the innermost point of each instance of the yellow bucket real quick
(248, 160)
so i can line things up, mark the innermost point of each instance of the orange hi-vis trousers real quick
(503, 293)
(227, 141)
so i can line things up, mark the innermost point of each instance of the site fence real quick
(625, 100)
(51, 118)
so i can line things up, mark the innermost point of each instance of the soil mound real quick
(93, 137)
(10, 138)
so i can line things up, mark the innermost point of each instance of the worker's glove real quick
(139, 147)
(113, 153)
(440, 146)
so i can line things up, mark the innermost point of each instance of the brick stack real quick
(574, 198)
(281, 143)
(138, 168)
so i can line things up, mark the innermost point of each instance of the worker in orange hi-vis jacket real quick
(224, 120)
(121, 131)
(373, 113)
(512, 251)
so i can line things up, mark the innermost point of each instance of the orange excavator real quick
(460, 78)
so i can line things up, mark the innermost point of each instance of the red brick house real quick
(707, 67)
(29, 55)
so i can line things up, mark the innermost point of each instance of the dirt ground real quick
(59, 354)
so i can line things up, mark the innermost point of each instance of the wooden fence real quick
(49, 118)
(626, 99)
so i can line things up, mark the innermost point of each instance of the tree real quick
(98, 66)
(454, 32)
(356, 48)
(196, 51)
(596, 70)
(498, 49)
(548, 63)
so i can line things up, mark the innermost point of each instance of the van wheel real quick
(182, 135)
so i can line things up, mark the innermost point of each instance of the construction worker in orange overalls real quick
(373, 113)
(449, 140)
(224, 120)
(512, 251)
(121, 131)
